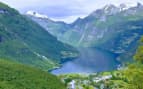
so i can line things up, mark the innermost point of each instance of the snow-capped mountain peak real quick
(123, 7)
(110, 9)
(36, 14)
(129, 5)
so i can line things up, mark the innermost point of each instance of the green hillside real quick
(26, 42)
(18, 76)
(131, 76)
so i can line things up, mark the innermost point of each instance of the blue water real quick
(90, 60)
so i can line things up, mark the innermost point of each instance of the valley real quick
(101, 51)
(113, 28)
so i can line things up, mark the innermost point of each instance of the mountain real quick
(112, 28)
(18, 76)
(24, 41)
(57, 28)
(95, 29)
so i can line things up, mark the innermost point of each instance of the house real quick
(103, 78)
(72, 85)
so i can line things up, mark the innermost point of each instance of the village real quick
(86, 81)
(78, 84)
(93, 80)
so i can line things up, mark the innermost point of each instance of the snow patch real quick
(36, 14)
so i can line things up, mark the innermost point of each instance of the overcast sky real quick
(66, 10)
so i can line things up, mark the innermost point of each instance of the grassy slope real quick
(18, 76)
(26, 42)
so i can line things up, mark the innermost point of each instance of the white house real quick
(71, 85)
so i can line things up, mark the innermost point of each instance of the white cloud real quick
(68, 19)
(65, 9)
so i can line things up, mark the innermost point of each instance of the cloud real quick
(65, 9)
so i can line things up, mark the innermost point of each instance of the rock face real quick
(116, 29)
